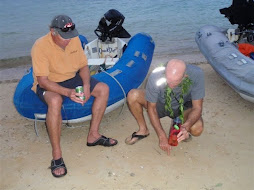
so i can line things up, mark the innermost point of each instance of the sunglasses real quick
(67, 27)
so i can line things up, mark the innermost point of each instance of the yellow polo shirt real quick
(58, 65)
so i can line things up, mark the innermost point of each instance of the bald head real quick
(175, 72)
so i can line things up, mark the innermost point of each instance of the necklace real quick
(184, 85)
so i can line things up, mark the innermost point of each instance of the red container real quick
(174, 130)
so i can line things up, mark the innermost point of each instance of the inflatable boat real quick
(220, 48)
(122, 66)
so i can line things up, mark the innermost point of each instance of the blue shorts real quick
(70, 83)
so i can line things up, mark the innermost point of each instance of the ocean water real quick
(171, 23)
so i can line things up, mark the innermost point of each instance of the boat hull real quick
(128, 73)
(234, 67)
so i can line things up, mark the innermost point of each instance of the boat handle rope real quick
(124, 93)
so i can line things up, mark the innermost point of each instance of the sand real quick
(221, 158)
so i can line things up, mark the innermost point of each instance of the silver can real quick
(80, 89)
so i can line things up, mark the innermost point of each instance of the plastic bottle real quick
(174, 130)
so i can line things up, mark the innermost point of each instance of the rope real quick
(121, 89)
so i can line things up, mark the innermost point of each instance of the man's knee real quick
(133, 96)
(54, 101)
(197, 128)
(102, 89)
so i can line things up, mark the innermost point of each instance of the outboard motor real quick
(241, 12)
(111, 26)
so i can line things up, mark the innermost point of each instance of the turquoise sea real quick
(171, 23)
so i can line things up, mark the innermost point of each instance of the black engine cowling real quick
(111, 26)
(241, 12)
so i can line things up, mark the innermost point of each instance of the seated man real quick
(173, 76)
(59, 66)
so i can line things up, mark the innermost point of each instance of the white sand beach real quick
(220, 159)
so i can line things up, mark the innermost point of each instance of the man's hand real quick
(155, 120)
(85, 75)
(183, 134)
(164, 145)
(87, 93)
(75, 96)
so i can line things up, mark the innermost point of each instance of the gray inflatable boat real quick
(234, 67)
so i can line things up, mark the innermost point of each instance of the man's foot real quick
(58, 168)
(103, 141)
(134, 138)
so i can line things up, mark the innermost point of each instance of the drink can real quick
(80, 89)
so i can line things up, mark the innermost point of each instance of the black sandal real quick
(103, 141)
(134, 135)
(55, 164)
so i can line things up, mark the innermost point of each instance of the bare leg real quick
(136, 102)
(54, 123)
(198, 127)
(101, 93)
